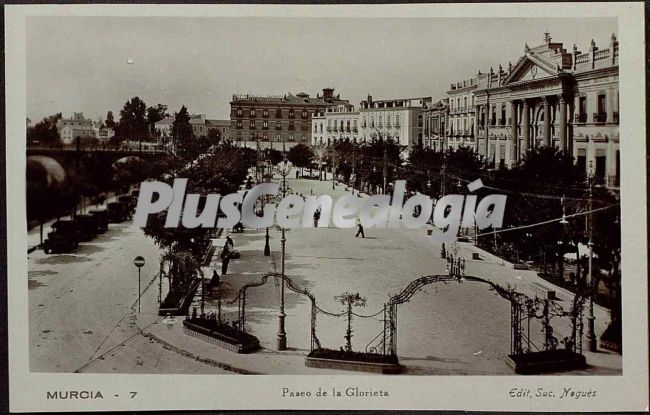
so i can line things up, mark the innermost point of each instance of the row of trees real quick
(220, 168)
(544, 186)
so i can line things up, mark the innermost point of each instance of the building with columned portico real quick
(551, 96)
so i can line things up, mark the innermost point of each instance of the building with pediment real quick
(552, 97)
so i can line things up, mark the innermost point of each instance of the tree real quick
(182, 136)
(300, 156)
(133, 122)
(110, 120)
(155, 114)
(45, 131)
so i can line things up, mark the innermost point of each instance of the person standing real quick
(226, 253)
(316, 217)
(360, 230)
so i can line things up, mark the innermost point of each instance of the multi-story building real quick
(271, 119)
(338, 122)
(398, 119)
(200, 126)
(553, 97)
(76, 127)
(436, 119)
(460, 130)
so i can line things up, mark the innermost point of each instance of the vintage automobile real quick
(63, 238)
(118, 212)
(88, 227)
(101, 216)
(129, 201)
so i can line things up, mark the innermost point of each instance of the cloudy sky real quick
(81, 63)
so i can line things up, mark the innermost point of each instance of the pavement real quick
(445, 329)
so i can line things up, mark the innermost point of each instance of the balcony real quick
(600, 117)
(355, 129)
(582, 118)
(266, 127)
(253, 127)
(613, 181)
(329, 129)
(265, 115)
(502, 122)
(292, 128)
(292, 116)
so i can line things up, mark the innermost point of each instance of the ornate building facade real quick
(461, 132)
(553, 97)
(338, 122)
(277, 118)
(398, 119)
(436, 119)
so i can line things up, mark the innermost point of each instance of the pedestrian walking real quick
(226, 253)
(297, 174)
(360, 230)
(316, 217)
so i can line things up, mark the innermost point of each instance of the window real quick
(252, 125)
(278, 125)
(304, 113)
(265, 136)
(465, 103)
(602, 108)
(278, 113)
(291, 127)
(239, 124)
(291, 113)
(380, 121)
(265, 125)
(582, 110)
(388, 121)
(265, 113)
(278, 136)
(372, 122)
(239, 112)
(291, 137)
(252, 112)
(397, 120)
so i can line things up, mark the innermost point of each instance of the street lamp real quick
(591, 335)
(139, 262)
(282, 335)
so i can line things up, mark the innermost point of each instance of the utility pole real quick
(442, 176)
(591, 335)
(385, 166)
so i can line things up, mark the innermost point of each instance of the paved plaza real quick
(83, 315)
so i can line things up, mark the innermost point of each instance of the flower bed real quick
(546, 361)
(221, 334)
(358, 361)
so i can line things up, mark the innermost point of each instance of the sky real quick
(81, 64)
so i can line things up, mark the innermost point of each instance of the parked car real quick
(129, 201)
(118, 212)
(101, 216)
(88, 227)
(63, 238)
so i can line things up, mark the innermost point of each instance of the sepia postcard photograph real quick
(424, 206)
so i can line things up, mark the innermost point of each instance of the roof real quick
(219, 123)
(165, 121)
(300, 99)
